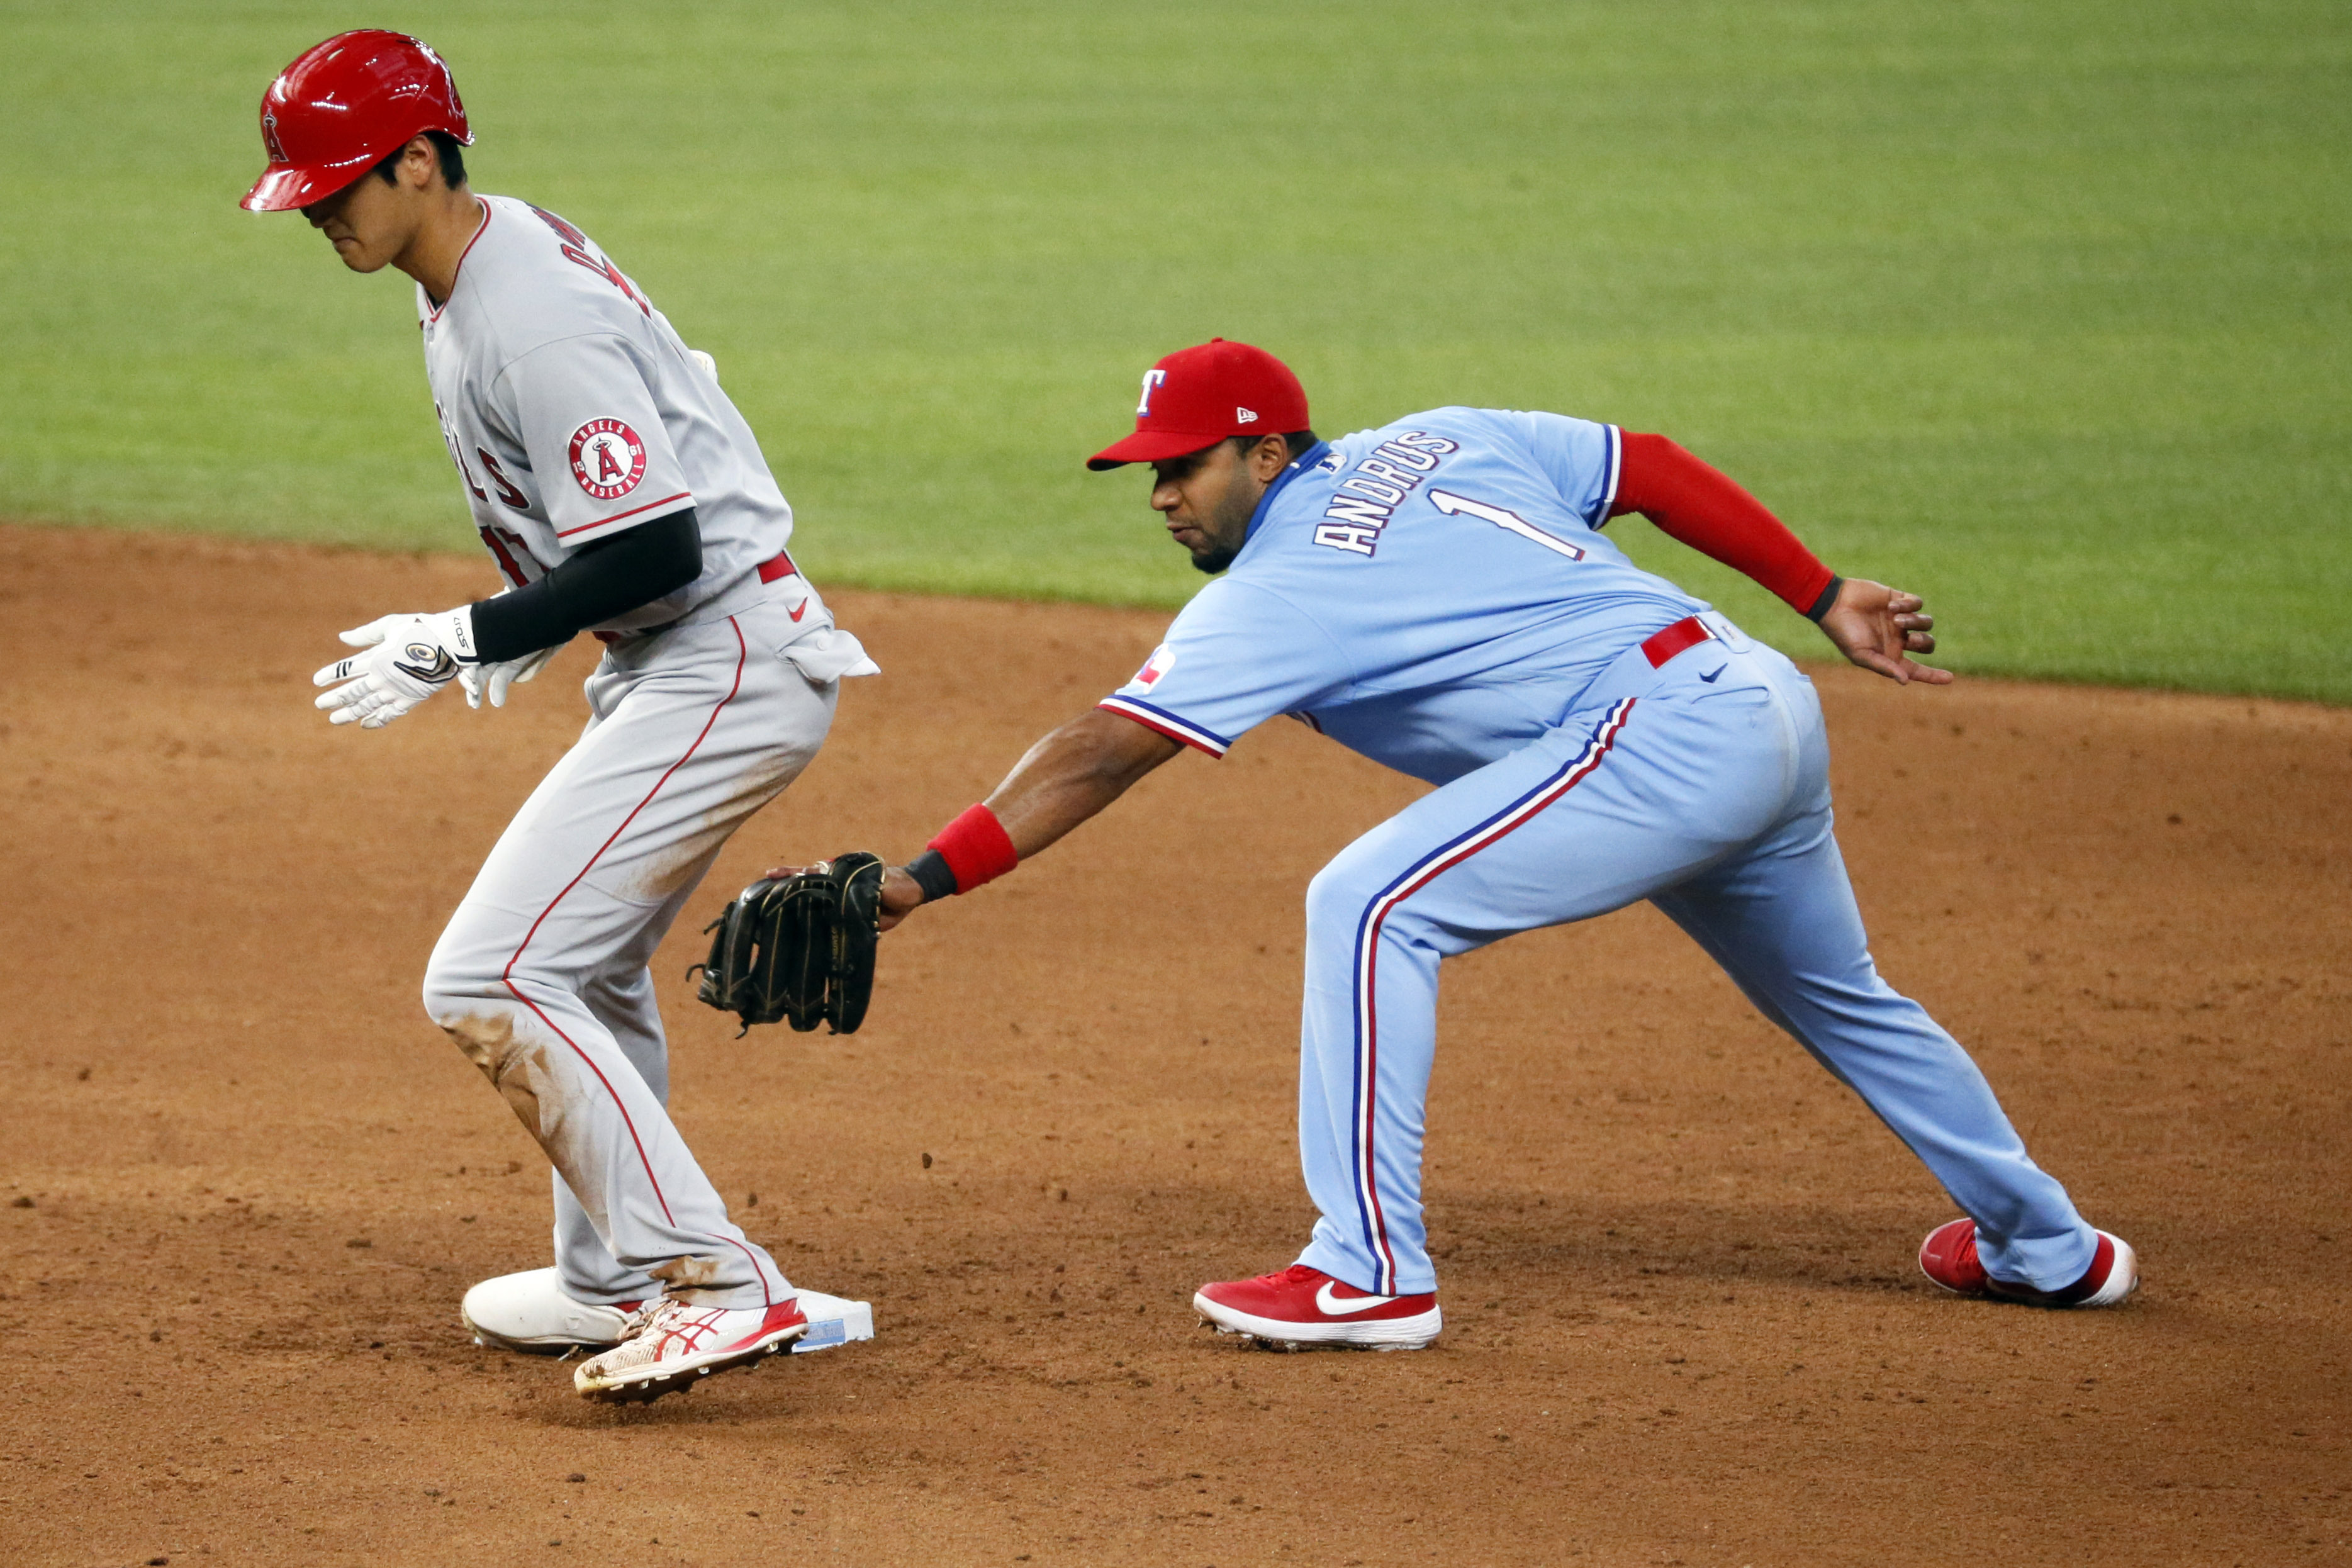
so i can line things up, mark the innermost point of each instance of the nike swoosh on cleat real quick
(1710, 675)
(1330, 1306)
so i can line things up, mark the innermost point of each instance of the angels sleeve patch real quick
(607, 458)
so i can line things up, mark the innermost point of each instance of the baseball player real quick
(1438, 595)
(620, 493)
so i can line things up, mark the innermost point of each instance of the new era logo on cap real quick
(1198, 396)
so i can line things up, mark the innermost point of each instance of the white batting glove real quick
(710, 366)
(407, 659)
(489, 682)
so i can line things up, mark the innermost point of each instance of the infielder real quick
(1438, 596)
(621, 493)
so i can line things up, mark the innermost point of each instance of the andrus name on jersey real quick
(1362, 502)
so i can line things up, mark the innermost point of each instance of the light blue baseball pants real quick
(1704, 787)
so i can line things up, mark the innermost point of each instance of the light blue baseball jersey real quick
(1435, 595)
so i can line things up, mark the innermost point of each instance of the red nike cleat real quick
(1948, 1257)
(1301, 1306)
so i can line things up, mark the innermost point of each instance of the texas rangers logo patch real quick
(607, 458)
(1162, 660)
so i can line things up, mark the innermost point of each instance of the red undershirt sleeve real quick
(1708, 510)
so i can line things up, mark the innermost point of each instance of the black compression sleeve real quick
(607, 578)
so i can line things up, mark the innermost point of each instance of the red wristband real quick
(976, 849)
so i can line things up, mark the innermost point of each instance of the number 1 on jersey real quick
(1453, 505)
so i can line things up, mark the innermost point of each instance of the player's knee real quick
(472, 1005)
(1337, 897)
(455, 988)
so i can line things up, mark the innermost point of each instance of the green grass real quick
(2041, 309)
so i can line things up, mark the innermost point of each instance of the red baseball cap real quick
(1198, 396)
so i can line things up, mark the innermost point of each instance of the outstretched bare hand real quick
(1875, 627)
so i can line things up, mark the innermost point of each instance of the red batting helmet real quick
(342, 107)
(1198, 396)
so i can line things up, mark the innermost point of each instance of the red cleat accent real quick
(1949, 1258)
(1300, 1306)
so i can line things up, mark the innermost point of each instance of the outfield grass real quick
(2042, 310)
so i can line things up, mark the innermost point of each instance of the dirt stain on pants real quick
(686, 1276)
(519, 1070)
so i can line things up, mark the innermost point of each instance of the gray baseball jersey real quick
(573, 411)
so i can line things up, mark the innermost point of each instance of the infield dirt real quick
(246, 1182)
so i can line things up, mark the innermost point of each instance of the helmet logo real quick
(269, 143)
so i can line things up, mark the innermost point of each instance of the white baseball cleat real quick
(672, 1345)
(529, 1312)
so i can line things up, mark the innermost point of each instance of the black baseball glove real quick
(799, 947)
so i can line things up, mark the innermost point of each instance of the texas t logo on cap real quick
(1198, 396)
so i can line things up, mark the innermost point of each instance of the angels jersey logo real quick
(607, 458)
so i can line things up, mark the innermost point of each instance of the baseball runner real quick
(1438, 596)
(620, 493)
